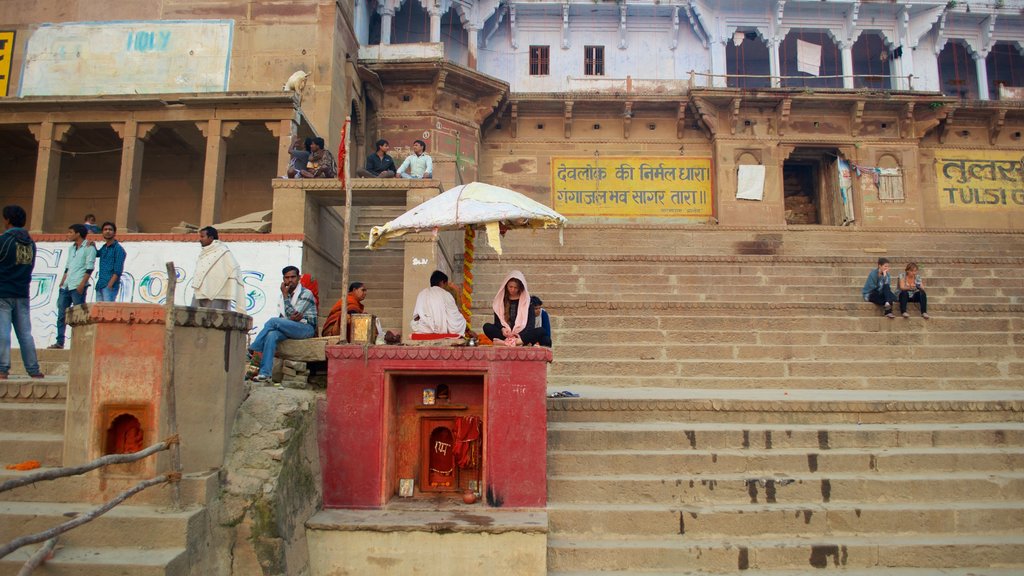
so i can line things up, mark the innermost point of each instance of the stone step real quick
(573, 383)
(812, 349)
(196, 488)
(795, 520)
(882, 571)
(599, 462)
(715, 555)
(583, 368)
(22, 388)
(47, 448)
(102, 561)
(32, 417)
(654, 435)
(789, 487)
(127, 525)
(677, 325)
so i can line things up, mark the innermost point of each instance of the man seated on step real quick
(542, 321)
(436, 315)
(296, 320)
(878, 288)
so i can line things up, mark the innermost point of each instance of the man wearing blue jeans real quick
(17, 258)
(112, 256)
(75, 282)
(296, 321)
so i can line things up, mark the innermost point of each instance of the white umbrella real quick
(476, 205)
(471, 206)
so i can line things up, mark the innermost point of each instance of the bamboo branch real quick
(89, 516)
(169, 395)
(82, 469)
(38, 558)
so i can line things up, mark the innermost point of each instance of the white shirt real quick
(417, 165)
(437, 313)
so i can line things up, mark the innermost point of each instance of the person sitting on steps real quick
(379, 164)
(514, 315)
(878, 288)
(911, 287)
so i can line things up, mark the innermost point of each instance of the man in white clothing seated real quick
(436, 314)
(419, 164)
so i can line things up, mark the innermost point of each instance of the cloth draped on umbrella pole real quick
(470, 207)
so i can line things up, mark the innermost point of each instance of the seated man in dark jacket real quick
(379, 164)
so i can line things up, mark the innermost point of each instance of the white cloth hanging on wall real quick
(750, 182)
(808, 57)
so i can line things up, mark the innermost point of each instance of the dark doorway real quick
(810, 184)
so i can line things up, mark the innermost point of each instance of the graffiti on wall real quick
(145, 278)
(140, 57)
(980, 180)
(632, 186)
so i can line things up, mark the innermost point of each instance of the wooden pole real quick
(172, 404)
(346, 241)
(39, 557)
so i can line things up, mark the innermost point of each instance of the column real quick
(982, 70)
(473, 33)
(847, 50)
(216, 132)
(385, 25)
(44, 196)
(718, 65)
(435, 24)
(773, 61)
(284, 131)
(133, 137)
(906, 68)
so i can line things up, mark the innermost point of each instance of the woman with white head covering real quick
(513, 315)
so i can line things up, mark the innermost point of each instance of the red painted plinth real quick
(359, 438)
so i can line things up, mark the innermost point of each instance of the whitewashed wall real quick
(136, 57)
(145, 278)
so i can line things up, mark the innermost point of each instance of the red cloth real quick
(312, 285)
(467, 431)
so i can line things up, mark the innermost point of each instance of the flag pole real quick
(346, 183)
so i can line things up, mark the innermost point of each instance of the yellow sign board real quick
(631, 186)
(980, 179)
(6, 55)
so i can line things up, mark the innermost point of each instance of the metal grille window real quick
(593, 60)
(890, 185)
(539, 61)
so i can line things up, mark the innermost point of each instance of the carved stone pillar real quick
(773, 61)
(473, 33)
(385, 25)
(134, 136)
(216, 132)
(847, 54)
(44, 198)
(435, 24)
(979, 65)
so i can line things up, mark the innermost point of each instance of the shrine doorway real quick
(812, 185)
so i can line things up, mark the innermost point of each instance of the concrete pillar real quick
(44, 196)
(133, 137)
(718, 64)
(906, 68)
(362, 22)
(385, 26)
(216, 132)
(473, 33)
(773, 61)
(435, 25)
(847, 54)
(979, 65)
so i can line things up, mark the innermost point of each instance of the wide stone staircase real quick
(381, 270)
(743, 411)
(141, 537)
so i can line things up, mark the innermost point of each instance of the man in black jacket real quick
(379, 164)
(17, 258)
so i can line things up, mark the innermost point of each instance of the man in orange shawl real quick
(353, 305)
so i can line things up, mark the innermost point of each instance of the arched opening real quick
(455, 38)
(828, 65)
(1005, 67)
(871, 62)
(746, 61)
(124, 436)
(411, 24)
(958, 75)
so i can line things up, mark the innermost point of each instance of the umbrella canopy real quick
(476, 205)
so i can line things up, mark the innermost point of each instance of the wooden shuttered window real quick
(540, 62)
(593, 60)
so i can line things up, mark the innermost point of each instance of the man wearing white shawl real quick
(218, 278)
(436, 314)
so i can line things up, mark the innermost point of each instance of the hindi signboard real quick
(6, 56)
(632, 186)
(980, 179)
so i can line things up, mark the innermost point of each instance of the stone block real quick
(308, 350)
